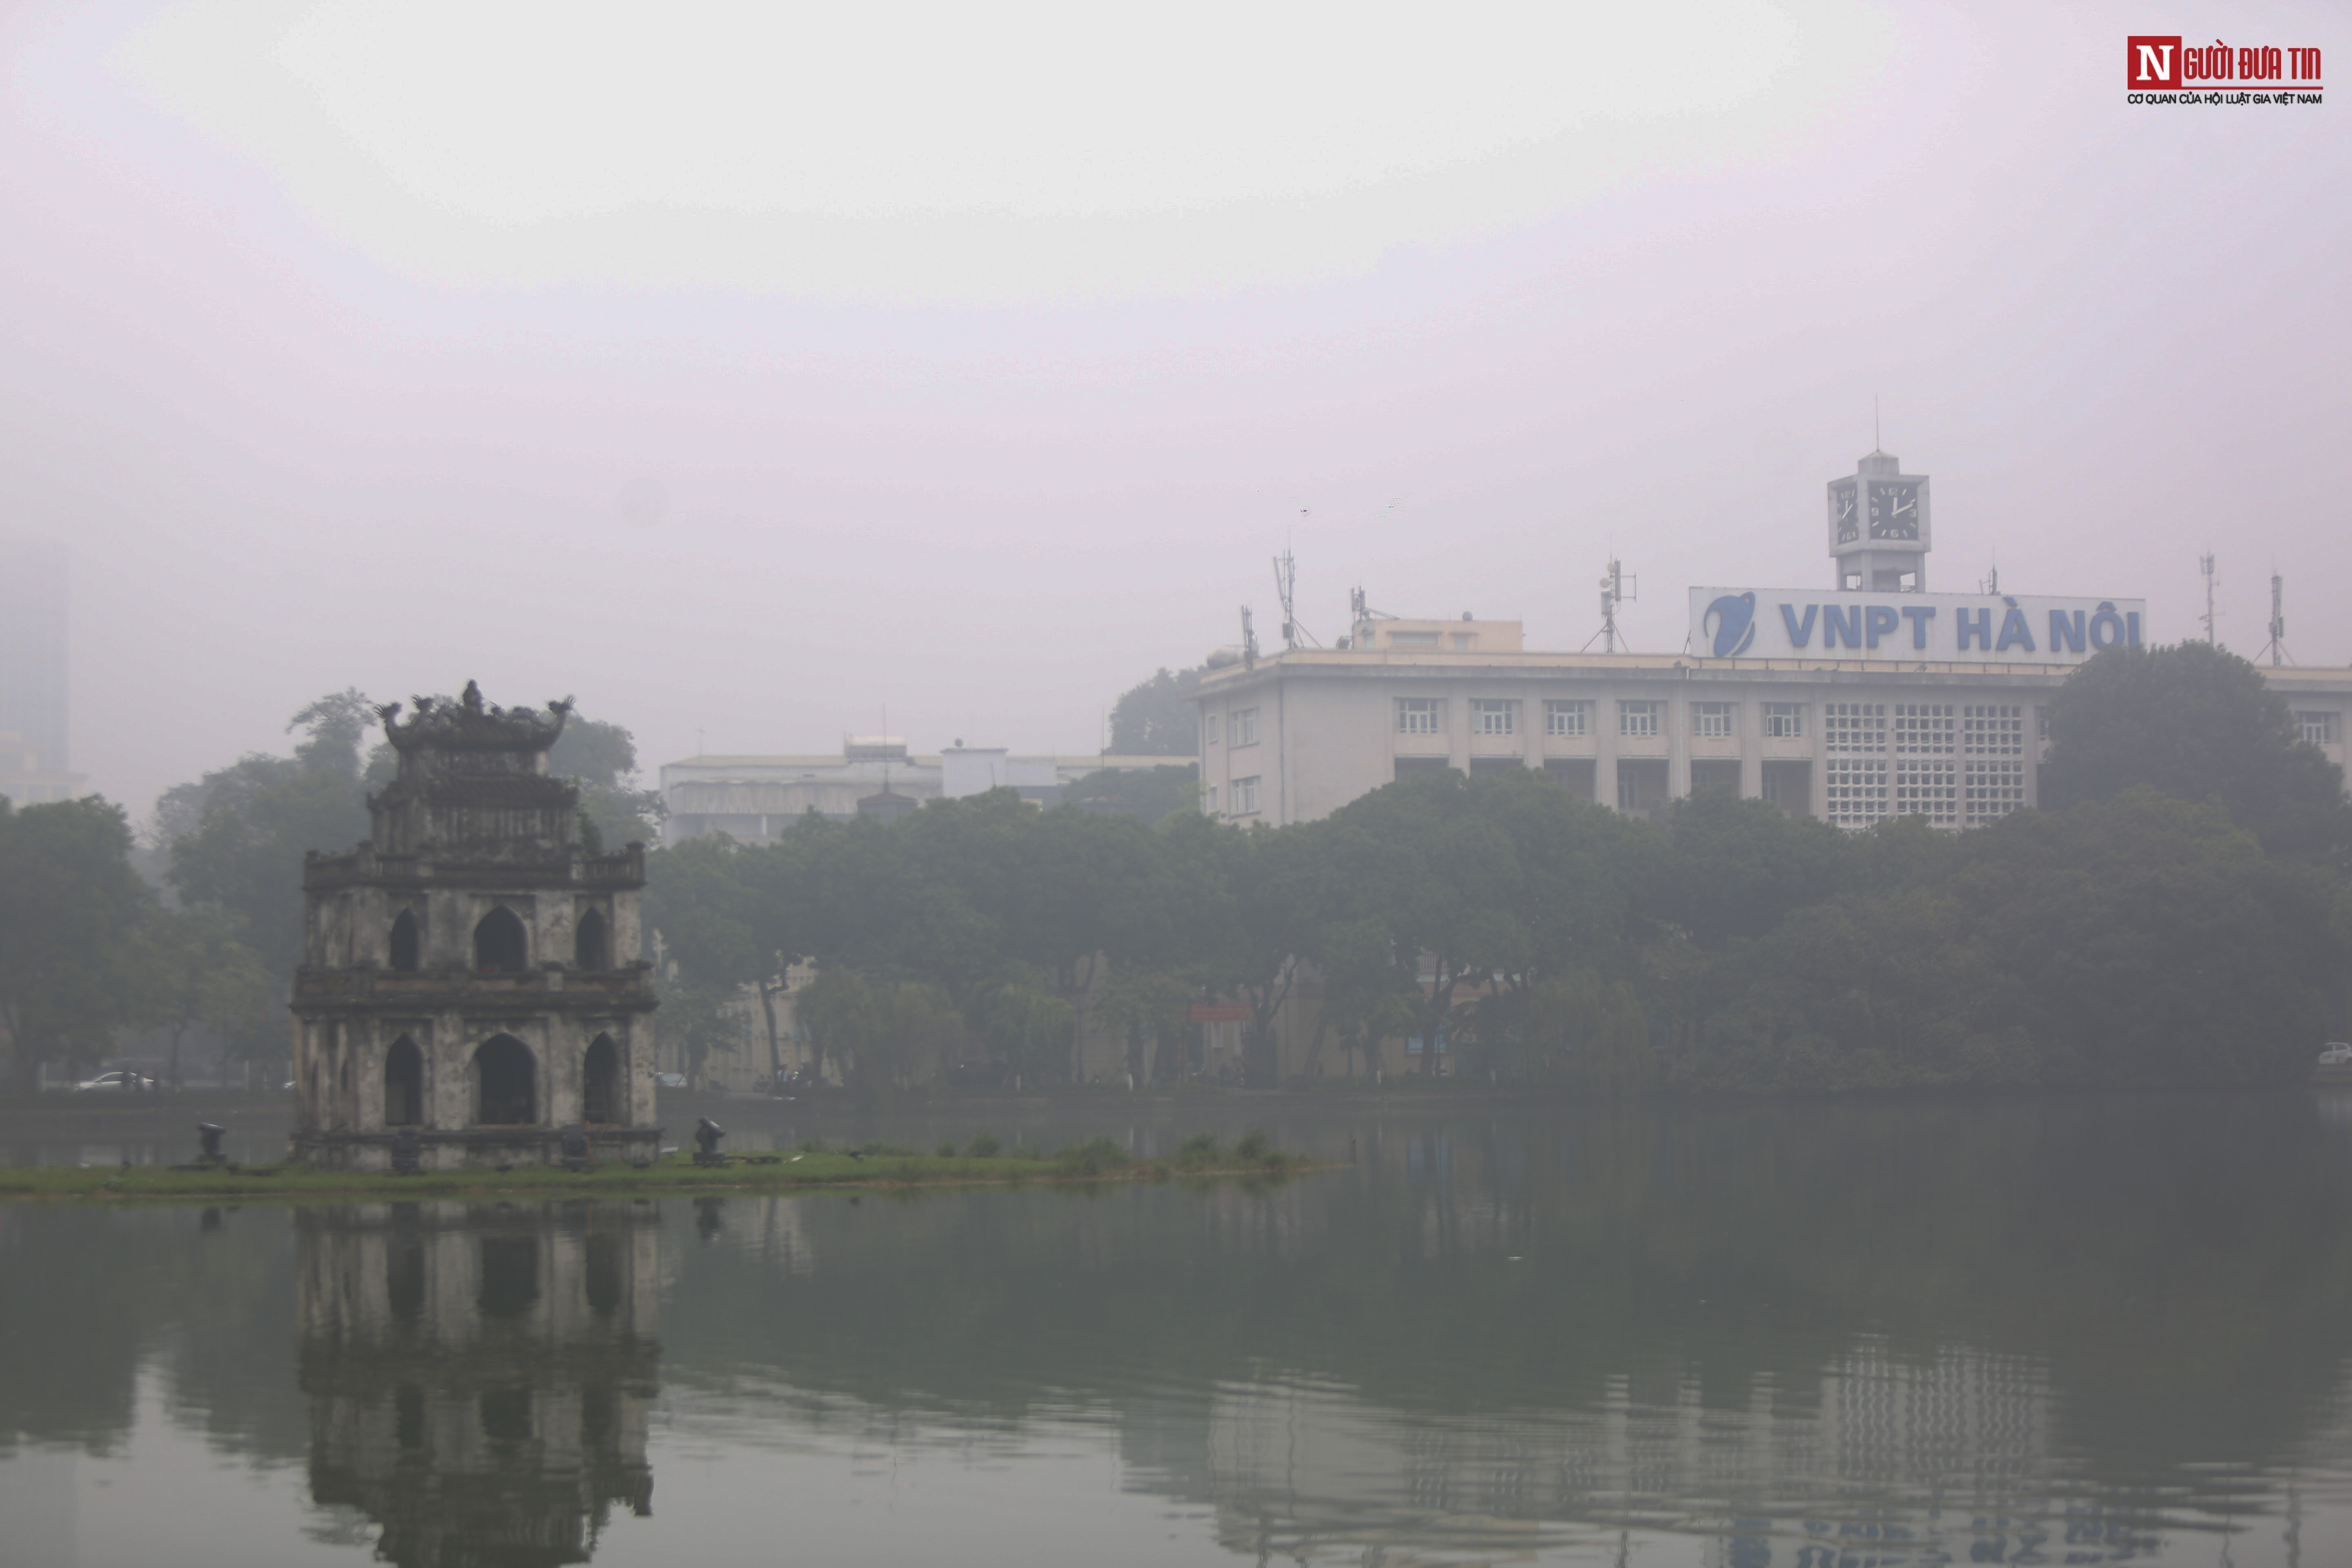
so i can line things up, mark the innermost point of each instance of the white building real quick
(753, 798)
(1871, 699)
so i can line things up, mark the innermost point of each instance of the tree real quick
(602, 759)
(199, 973)
(2198, 723)
(1153, 795)
(1156, 718)
(236, 836)
(71, 912)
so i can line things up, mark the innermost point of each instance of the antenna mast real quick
(2205, 564)
(1249, 641)
(1616, 588)
(2277, 648)
(1285, 582)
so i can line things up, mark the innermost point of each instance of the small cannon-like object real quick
(407, 1153)
(706, 1135)
(211, 1136)
(575, 1141)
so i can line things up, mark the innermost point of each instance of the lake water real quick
(2073, 1331)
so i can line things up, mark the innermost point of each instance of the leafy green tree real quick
(72, 910)
(2197, 723)
(886, 1034)
(236, 836)
(1156, 718)
(1152, 794)
(1738, 868)
(198, 972)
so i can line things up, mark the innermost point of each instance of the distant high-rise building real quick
(33, 597)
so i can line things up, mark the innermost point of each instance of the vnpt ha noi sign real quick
(1909, 629)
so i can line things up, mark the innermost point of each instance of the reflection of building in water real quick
(479, 1380)
(1903, 1461)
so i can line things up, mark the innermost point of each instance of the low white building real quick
(1869, 700)
(753, 798)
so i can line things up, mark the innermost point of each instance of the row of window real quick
(1921, 728)
(1573, 717)
(1241, 798)
(1924, 729)
(1244, 727)
(1865, 790)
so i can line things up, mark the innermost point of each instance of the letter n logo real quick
(2152, 62)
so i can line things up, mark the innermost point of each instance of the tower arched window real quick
(505, 1083)
(404, 1084)
(499, 944)
(404, 943)
(599, 1081)
(592, 948)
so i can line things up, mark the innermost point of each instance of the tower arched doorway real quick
(505, 1083)
(499, 946)
(404, 1084)
(600, 1082)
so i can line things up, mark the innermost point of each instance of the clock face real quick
(1841, 512)
(1895, 511)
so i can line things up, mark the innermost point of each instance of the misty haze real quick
(1048, 785)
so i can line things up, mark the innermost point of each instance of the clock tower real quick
(1878, 528)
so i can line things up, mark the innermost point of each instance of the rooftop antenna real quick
(2277, 648)
(1285, 582)
(1616, 588)
(1249, 641)
(2205, 564)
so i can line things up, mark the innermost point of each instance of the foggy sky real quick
(974, 373)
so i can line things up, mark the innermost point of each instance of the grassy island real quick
(814, 1164)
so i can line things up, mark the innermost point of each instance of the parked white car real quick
(120, 1082)
(2338, 1054)
(669, 1081)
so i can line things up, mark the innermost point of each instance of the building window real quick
(1465, 641)
(1568, 718)
(1928, 787)
(1493, 716)
(1854, 726)
(1925, 729)
(1784, 721)
(1992, 730)
(1642, 718)
(1245, 726)
(1711, 721)
(1990, 790)
(1245, 796)
(1420, 715)
(1210, 728)
(1856, 789)
(1413, 639)
(2318, 728)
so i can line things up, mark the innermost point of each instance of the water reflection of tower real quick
(480, 1379)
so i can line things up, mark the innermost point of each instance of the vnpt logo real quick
(2153, 62)
(1733, 618)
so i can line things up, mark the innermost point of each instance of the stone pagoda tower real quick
(469, 992)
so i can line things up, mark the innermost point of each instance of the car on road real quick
(2338, 1054)
(122, 1082)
